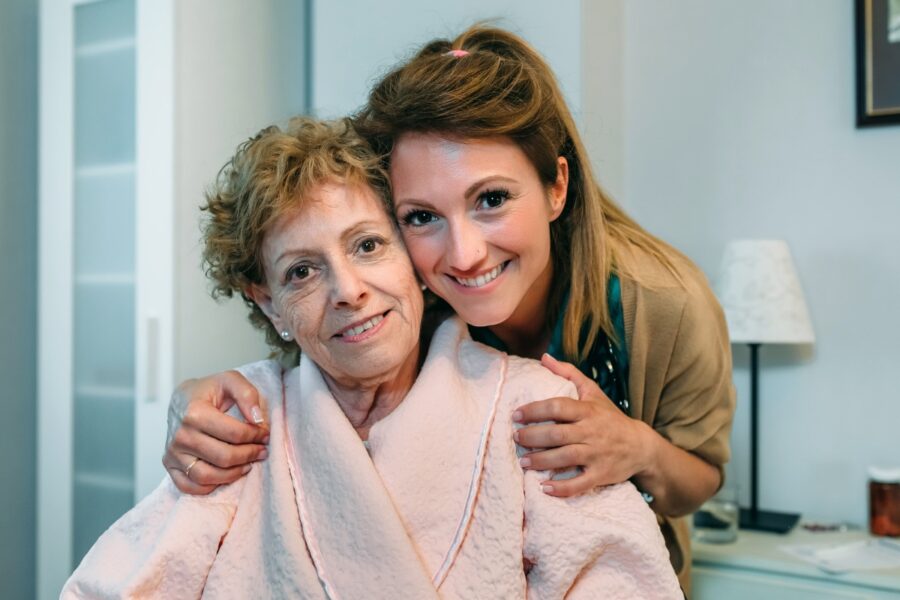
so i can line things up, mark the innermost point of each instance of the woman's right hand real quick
(205, 447)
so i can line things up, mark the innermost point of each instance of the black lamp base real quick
(766, 520)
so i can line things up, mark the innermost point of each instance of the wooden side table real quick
(755, 567)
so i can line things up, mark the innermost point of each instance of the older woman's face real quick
(338, 278)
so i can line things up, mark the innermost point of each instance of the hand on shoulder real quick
(205, 447)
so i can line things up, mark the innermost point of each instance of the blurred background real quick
(708, 121)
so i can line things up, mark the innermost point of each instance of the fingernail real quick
(547, 489)
(263, 454)
(525, 461)
(265, 440)
(516, 435)
(256, 414)
(518, 416)
(246, 469)
(548, 355)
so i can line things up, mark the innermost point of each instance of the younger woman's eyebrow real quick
(474, 187)
(469, 190)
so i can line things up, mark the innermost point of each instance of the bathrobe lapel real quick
(392, 525)
(430, 450)
(354, 536)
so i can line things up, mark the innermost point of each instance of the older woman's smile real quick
(362, 330)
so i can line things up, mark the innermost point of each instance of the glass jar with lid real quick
(884, 501)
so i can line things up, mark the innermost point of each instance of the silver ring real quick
(187, 471)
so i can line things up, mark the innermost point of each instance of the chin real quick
(484, 318)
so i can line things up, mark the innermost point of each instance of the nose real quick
(466, 246)
(349, 289)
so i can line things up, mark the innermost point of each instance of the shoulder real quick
(267, 377)
(680, 356)
(663, 298)
(526, 380)
(262, 373)
(520, 378)
(533, 373)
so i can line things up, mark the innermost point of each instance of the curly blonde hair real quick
(269, 176)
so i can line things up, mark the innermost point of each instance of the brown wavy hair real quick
(269, 176)
(503, 87)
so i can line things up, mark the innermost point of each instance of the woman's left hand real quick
(591, 433)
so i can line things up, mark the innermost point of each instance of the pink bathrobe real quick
(437, 508)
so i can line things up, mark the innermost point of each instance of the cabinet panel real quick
(94, 500)
(103, 319)
(104, 83)
(713, 584)
(100, 22)
(104, 221)
(103, 333)
(756, 565)
(118, 239)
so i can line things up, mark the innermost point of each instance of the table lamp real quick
(763, 303)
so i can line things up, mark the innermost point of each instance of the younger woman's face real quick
(476, 218)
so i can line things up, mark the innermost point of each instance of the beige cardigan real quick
(438, 508)
(680, 379)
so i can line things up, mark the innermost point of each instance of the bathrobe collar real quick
(363, 517)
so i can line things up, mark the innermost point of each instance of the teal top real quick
(606, 363)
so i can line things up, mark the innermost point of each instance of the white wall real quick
(354, 43)
(739, 123)
(18, 326)
(240, 68)
(602, 85)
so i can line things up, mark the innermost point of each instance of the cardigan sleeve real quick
(696, 405)
(680, 379)
(603, 544)
(163, 548)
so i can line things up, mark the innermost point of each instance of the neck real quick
(367, 402)
(526, 332)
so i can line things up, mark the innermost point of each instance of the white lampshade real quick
(761, 294)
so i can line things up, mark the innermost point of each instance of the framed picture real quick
(877, 62)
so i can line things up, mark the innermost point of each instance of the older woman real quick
(360, 497)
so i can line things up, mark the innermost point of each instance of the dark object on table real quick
(707, 520)
(884, 501)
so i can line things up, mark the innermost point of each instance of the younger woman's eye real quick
(493, 198)
(418, 218)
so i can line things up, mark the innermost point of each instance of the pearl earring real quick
(286, 335)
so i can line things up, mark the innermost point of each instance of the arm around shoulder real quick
(696, 406)
(693, 411)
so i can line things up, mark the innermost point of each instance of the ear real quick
(559, 188)
(261, 295)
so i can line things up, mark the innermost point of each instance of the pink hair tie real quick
(457, 53)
